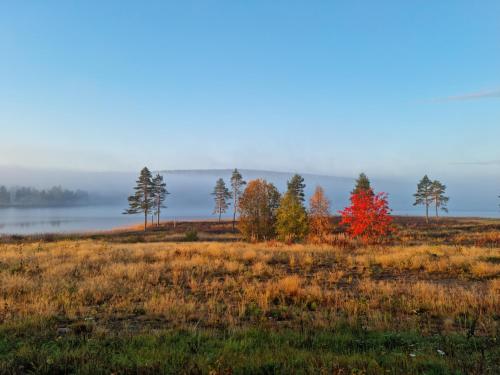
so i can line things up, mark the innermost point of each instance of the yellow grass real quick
(427, 287)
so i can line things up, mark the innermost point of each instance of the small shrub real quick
(191, 235)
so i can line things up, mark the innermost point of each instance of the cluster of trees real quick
(149, 197)
(431, 193)
(266, 214)
(151, 193)
(31, 197)
(222, 195)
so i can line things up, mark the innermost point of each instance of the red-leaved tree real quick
(368, 217)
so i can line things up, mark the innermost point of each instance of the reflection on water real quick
(62, 219)
(29, 224)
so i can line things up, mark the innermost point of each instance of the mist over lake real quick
(190, 197)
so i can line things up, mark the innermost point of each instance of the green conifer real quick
(221, 195)
(237, 184)
(142, 200)
(296, 187)
(423, 196)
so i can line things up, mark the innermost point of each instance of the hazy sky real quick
(394, 88)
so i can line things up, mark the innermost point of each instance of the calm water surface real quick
(67, 219)
(100, 218)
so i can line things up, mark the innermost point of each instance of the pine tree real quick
(423, 196)
(237, 183)
(362, 184)
(296, 187)
(159, 195)
(437, 194)
(142, 200)
(291, 219)
(319, 216)
(221, 195)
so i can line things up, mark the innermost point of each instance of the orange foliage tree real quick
(320, 226)
(258, 206)
(368, 217)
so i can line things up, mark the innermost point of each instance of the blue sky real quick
(394, 88)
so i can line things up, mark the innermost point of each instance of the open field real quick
(128, 302)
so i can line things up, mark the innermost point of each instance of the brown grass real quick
(430, 288)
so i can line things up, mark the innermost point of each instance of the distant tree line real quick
(31, 197)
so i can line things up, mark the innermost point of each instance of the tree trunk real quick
(234, 211)
(426, 212)
(146, 208)
(159, 210)
(220, 214)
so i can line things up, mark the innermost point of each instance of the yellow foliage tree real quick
(291, 219)
(320, 226)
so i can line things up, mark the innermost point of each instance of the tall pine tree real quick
(237, 184)
(438, 191)
(221, 195)
(142, 200)
(296, 187)
(159, 196)
(423, 196)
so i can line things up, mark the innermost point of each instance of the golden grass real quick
(212, 284)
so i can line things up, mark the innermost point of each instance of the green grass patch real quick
(34, 347)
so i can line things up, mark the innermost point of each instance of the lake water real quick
(100, 218)
(68, 219)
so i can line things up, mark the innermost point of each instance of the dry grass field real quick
(100, 305)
